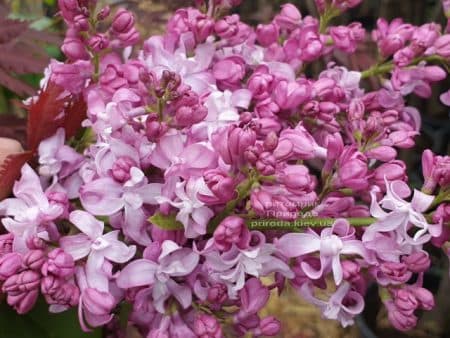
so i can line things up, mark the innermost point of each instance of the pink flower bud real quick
(60, 292)
(254, 297)
(104, 13)
(404, 56)
(232, 142)
(204, 27)
(424, 297)
(351, 270)
(405, 300)
(98, 302)
(74, 49)
(221, 185)
(6, 242)
(271, 141)
(382, 153)
(344, 5)
(417, 262)
(259, 83)
(123, 21)
(232, 230)
(34, 259)
(269, 327)
(69, 9)
(81, 23)
(392, 171)
(267, 109)
(25, 281)
(398, 273)
(347, 37)
(121, 168)
(10, 264)
(217, 294)
(425, 36)
(267, 34)
(401, 320)
(266, 164)
(129, 38)
(229, 72)
(206, 326)
(23, 302)
(228, 26)
(98, 42)
(59, 263)
(51, 284)
(155, 129)
(289, 17)
(296, 178)
(289, 95)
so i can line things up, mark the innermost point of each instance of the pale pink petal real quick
(87, 223)
(95, 276)
(138, 273)
(421, 201)
(117, 251)
(295, 245)
(78, 246)
(180, 263)
(102, 197)
(182, 293)
(337, 270)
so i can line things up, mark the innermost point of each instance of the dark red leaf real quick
(10, 29)
(45, 115)
(20, 63)
(75, 113)
(15, 85)
(10, 171)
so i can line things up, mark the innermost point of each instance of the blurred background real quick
(31, 31)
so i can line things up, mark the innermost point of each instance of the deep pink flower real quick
(232, 230)
(206, 326)
(289, 17)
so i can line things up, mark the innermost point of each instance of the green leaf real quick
(39, 323)
(166, 222)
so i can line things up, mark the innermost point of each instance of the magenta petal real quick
(445, 98)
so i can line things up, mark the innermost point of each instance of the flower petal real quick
(138, 273)
(78, 246)
(117, 251)
(87, 223)
(295, 245)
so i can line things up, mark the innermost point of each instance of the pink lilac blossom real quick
(212, 159)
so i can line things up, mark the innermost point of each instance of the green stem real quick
(444, 196)
(96, 61)
(276, 224)
(380, 69)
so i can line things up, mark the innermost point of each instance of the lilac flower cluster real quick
(211, 126)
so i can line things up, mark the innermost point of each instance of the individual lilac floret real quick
(331, 243)
(174, 261)
(95, 245)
